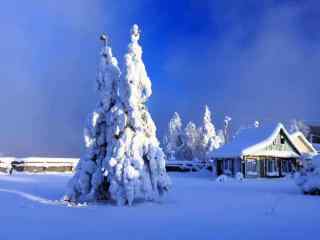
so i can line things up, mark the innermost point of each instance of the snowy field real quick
(196, 208)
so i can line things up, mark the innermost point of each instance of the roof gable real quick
(253, 141)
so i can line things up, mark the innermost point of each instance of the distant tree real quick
(226, 133)
(220, 138)
(208, 139)
(191, 141)
(173, 141)
(296, 125)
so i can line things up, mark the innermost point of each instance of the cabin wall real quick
(256, 166)
(270, 166)
(252, 167)
(237, 165)
(228, 166)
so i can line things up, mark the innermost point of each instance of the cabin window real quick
(227, 166)
(252, 167)
(272, 169)
(282, 140)
(286, 166)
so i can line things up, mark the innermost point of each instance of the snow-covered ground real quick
(196, 208)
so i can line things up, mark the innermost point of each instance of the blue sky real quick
(245, 58)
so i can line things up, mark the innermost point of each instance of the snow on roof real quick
(300, 136)
(7, 159)
(251, 140)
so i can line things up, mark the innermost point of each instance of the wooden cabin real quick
(267, 151)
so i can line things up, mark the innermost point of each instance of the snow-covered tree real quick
(174, 138)
(220, 138)
(123, 160)
(308, 177)
(191, 142)
(296, 125)
(227, 121)
(208, 139)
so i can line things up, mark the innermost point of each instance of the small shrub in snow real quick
(222, 178)
(225, 178)
(308, 178)
(239, 177)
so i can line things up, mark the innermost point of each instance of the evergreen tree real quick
(296, 125)
(227, 121)
(191, 141)
(208, 139)
(220, 138)
(123, 160)
(174, 138)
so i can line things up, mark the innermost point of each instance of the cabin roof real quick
(251, 140)
(299, 136)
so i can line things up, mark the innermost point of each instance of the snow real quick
(272, 174)
(250, 140)
(223, 178)
(239, 176)
(251, 173)
(251, 209)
